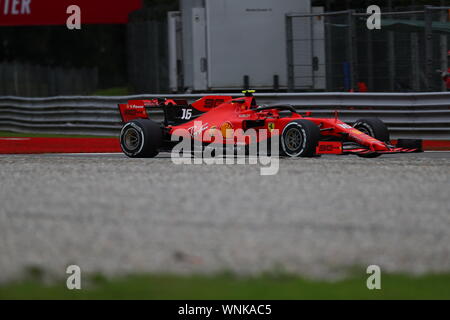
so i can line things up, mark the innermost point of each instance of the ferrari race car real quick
(225, 121)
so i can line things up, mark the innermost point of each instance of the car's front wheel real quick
(373, 127)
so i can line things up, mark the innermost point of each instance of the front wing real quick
(336, 147)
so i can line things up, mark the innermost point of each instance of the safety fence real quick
(24, 79)
(420, 115)
(336, 51)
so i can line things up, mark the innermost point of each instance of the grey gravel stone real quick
(316, 217)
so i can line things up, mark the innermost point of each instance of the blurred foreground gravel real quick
(316, 217)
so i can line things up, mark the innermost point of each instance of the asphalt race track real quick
(317, 217)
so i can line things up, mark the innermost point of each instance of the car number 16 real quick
(187, 114)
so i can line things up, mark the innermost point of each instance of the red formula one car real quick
(212, 116)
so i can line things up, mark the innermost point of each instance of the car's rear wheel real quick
(141, 138)
(299, 138)
(373, 127)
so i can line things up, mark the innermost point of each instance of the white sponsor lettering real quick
(16, 7)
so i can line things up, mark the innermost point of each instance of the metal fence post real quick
(352, 50)
(328, 54)
(369, 47)
(443, 45)
(415, 61)
(428, 47)
(290, 55)
(391, 54)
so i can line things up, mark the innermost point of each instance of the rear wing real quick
(136, 109)
(176, 111)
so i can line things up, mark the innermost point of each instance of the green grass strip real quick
(154, 286)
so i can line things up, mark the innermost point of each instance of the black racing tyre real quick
(141, 138)
(299, 138)
(373, 127)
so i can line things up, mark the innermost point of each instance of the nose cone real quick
(377, 145)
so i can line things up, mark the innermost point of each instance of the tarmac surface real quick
(317, 217)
